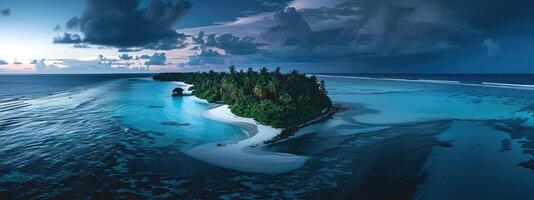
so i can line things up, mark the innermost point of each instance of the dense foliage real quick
(272, 98)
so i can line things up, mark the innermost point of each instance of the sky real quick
(335, 36)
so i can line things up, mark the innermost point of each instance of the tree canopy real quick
(270, 97)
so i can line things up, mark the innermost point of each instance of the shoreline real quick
(290, 131)
(249, 154)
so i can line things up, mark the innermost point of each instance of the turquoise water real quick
(146, 106)
(125, 137)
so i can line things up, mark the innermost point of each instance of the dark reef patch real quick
(506, 145)
(171, 123)
(524, 134)
(528, 164)
(388, 163)
(518, 131)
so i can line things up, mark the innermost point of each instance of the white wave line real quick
(483, 84)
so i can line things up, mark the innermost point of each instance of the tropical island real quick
(270, 97)
(275, 104)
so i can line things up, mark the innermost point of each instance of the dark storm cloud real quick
(199, 39)
(393, 28)
(236, 45)
(378, 28)
(177, 42)
(387, 35)
(210, 40)
(67, 38)
(73, 23)
(5, 12)
(231, 44)
(157, 59)
(289, 28)
(57, 28)
(146, 57)
(120, 23)
(125, 57)
(491, 14)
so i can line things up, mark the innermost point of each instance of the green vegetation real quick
(271, 98)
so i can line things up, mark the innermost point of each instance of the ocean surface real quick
(403, 137)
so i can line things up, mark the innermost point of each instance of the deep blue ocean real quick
(404, 136)
(27, 86)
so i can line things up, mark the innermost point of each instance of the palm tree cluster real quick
(270, 97)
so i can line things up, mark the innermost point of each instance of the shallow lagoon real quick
(398, 139)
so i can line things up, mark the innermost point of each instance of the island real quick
(269, 97)
(268, 105)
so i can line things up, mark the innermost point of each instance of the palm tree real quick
(273, 86)
(232, 69)
(263, 71)
(285, 98)
(259, 91)
(303, 99)
(250, 72)
(322, 87)
(277, 72)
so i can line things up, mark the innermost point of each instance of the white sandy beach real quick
(248, 154)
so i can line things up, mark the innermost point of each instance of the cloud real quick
(120, 23)
(73, 23)
(492, 14)
(67, 38)
(81, 46)
(235, 45)
(57, 28)
(5, 12)
(206, 57)
(3, 62)
(270, 3)
(177, 42)
(381, 33)
(124, 50)
(199, 39)
(210, 40)
(125, 57)
(228, 42)
(84, 66)
(146, 57)
(367, 28)
(289, 28)
(156, 59)
(493, 48)
(315, 4)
